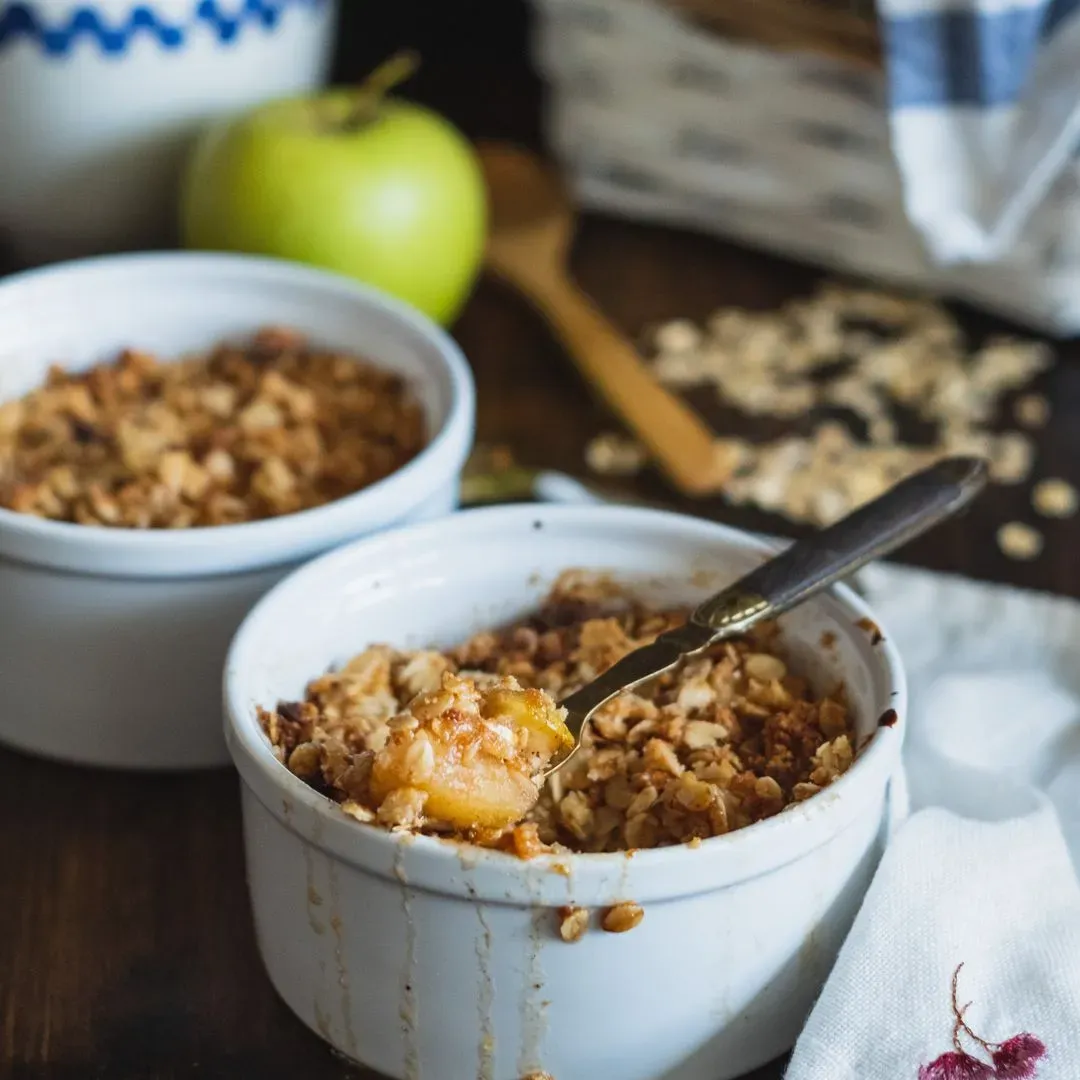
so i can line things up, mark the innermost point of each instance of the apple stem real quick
(390, 73)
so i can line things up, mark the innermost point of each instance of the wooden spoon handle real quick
(684, 447)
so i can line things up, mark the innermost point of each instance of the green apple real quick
(380, 189)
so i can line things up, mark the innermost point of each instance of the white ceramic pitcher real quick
(99, 102)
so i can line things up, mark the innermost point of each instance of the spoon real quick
(532, 225)
(800, 572)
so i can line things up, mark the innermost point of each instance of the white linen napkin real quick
(978, 883)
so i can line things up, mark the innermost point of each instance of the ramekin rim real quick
(885, 742)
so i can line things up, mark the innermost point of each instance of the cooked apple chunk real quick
(468, 756)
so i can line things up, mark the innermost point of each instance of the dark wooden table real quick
(126, 948)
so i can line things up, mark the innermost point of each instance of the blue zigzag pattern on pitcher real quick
(22, 20)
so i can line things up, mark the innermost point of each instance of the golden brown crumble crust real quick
(240, 433)
(723, 741)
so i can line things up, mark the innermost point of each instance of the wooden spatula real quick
(531, 230)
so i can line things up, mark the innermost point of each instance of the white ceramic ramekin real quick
(430, 961)
(112, 641)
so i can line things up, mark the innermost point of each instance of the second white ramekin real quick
(112, 641)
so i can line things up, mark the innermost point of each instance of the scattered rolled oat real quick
(1032, 410)
(722, 741)
(614, 455)
(1011, 457)
(1054, 498)
(1020, 541)
(622, 917)
(678, 336)
(241, 433)
(822, 478)
(573, 922)
(866, 352)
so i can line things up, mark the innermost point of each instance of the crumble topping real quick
(724, 740)
(622, 917)
(240, 433)
(573, 922)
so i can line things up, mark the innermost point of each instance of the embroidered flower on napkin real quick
(1015, 1059)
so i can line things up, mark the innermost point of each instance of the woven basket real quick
(844, 29)
(674, 110)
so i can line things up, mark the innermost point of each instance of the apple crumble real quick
(450, 742)
(467, 756)
(242, 432)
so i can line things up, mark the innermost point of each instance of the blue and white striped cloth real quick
(985, 114)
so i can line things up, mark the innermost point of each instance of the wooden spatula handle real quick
(684, 447)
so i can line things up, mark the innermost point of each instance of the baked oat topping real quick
(724, 740)
(573, 922)
(622, 917)
(240, 433)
